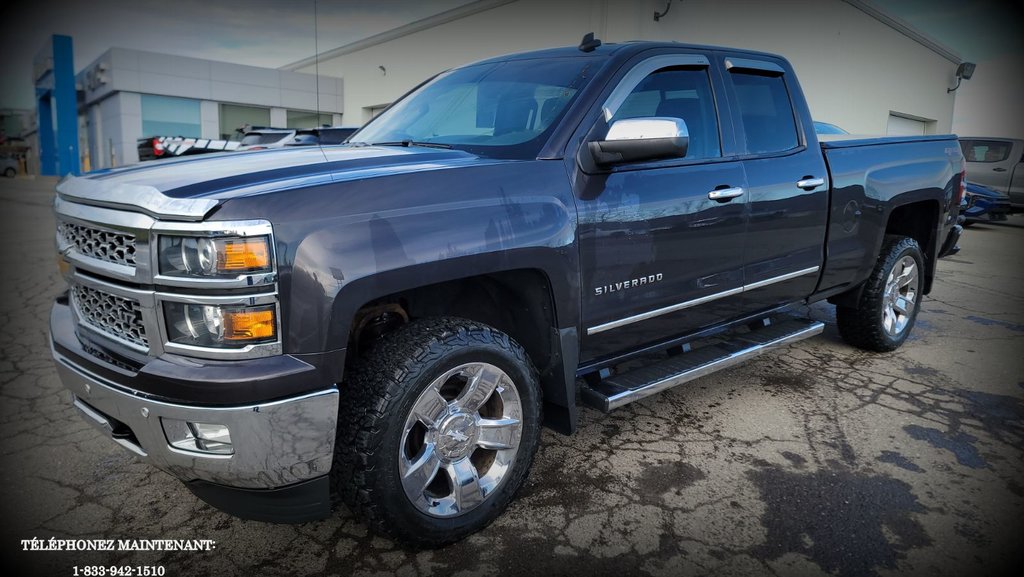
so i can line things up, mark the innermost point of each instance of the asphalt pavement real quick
(817, 459)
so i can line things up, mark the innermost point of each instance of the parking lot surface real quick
(818, 459)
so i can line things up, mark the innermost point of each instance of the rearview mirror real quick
(640, 139)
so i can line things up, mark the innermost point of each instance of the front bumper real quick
(282, 450)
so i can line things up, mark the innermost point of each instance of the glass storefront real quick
(169, 116)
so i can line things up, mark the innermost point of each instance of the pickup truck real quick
(997, 163)
(393, 320)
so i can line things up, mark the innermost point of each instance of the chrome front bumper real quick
(275, 444)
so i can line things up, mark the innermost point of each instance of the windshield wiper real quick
(408, 143)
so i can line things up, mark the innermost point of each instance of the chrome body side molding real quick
(698, 301)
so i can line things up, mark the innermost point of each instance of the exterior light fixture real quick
(963, 72)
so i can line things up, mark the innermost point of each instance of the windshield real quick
(503, 109)
(262, 138)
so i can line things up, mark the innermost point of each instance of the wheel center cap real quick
(456, 436)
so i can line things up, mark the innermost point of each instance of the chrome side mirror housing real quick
(641, 139)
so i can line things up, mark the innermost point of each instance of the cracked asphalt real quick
(818, 459)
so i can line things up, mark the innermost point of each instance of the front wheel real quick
(439, 429)
(890, 301)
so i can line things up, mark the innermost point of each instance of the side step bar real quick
(622, 389)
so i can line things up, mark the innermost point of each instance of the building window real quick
(303, 119)
(169, 116)
(234, 118)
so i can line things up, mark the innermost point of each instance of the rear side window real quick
(678, 92)
(766, 111)
(985, 150)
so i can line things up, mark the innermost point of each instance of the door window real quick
(678, 92)
(985, 150)
(766, 111)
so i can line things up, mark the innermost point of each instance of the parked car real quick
(826, 128)
(395, 319)
(9, 166)
(984, 204)
(336, 134)
(321, 136)
(262, 138)
(157, 147)
(997, 163)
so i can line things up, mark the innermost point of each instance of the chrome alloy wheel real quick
(460, 439)
(899, 297)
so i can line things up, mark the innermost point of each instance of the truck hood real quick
(189, 188)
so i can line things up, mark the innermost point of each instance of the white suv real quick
(261, 138)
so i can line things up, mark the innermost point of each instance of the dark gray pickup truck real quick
(393, 320)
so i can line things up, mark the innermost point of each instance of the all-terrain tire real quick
(864, 326)
(377, 400)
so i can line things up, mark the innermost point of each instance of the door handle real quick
(810, 183)
(726, 193)
(999, 170)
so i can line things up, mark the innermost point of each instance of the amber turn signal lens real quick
(248, 325)
(244, 254)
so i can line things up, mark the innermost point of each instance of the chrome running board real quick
(622, 389)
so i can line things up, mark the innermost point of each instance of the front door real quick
(659, 258)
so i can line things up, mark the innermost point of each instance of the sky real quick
(272, 33)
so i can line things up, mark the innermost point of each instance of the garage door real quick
(903, 126)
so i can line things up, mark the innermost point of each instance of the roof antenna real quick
(589, 43)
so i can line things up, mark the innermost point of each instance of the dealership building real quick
(860, 68)
(126, 95)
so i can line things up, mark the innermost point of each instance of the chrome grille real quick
(116, 316)
(105, 245)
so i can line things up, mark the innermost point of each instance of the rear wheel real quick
(439, 430)
(10, 172)
(891, 299)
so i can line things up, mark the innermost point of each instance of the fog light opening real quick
(208, 438)
(212, 438)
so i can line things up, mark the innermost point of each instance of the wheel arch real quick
(528, 303)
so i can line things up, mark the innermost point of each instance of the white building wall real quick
(278, 117)
(209, 119)
(854, 69)
(115, 125)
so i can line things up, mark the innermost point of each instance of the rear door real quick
(659, 258)
(787, 181)
(990, 161)
(1017, 180)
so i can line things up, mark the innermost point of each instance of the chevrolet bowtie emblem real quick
(457, 436)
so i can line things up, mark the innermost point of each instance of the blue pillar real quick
(55, 91)
(47, 144)
(67, 105)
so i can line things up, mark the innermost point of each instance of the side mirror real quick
(640, 139)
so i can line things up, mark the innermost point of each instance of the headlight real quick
(218, 326)
(214, 257)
